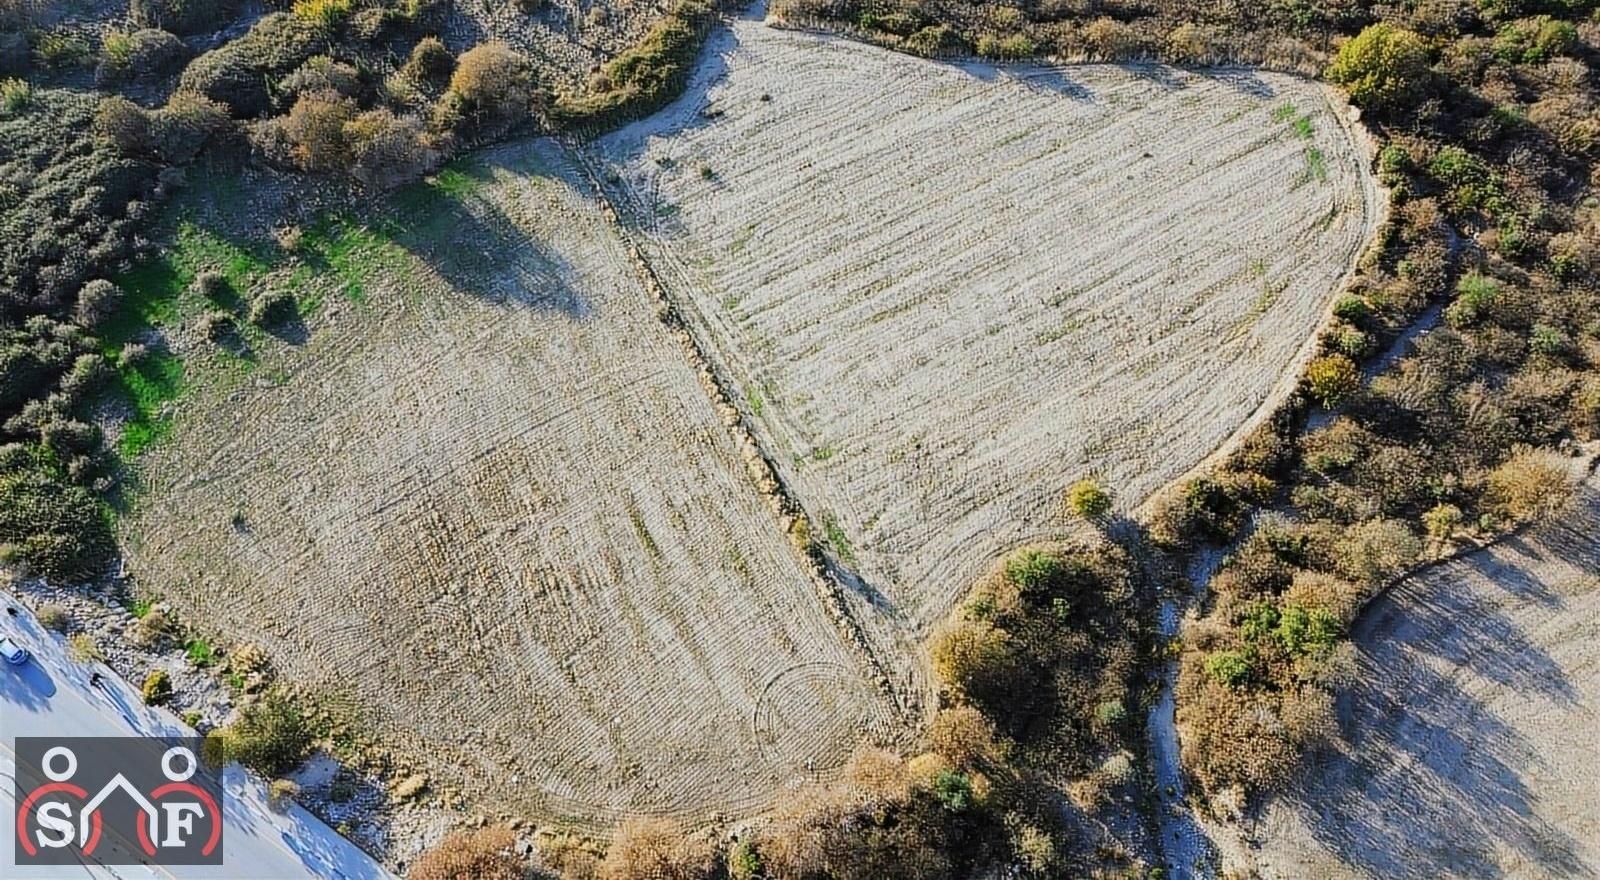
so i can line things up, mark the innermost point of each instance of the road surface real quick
(51, 696)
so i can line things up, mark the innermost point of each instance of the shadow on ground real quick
(1439, 776)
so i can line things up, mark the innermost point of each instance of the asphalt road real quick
(51, 696)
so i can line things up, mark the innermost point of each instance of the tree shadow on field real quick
(486, 247)
(1040, 78)
(1164, 75)
(1432, 781)
(1243, 79)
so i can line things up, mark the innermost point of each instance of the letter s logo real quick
(56, 817)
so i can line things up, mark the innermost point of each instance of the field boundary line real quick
(759, 465)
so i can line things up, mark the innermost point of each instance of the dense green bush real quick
(148, 53)
(48, 524)
(271, 736)
(1382, 67)
(239, 74)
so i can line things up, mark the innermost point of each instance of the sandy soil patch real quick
(1471, 737)
(946, 291)
(495, 507)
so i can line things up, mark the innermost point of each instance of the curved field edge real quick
(1468, 734)
(724, 229)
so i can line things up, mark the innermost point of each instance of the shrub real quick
(936, 41)
(1586, 408)
(1372, 552)
(658, 849)
(1535, 40)
(84, 649)
(157, 688)
(1332, 378)
(272, 308)
(429, 63)
(270, 737)
(1231, 668)
(322, 74)
(388, 150)
(744, 862)
(954, 790)
(50, 526)
(186, 124)
(650, 73)
(238, 73)
(315, 128)
(1549, 340)
(964, 737)
(55, 618)
(487, 854)
(1532, 483)
(125, 125)
(98, 301)
(212, 285)
(1088, 498)
(143, 54)
(323, 13)
(1476, 295)
(15, 96)
(1352, 309)
(1382, 67)
(281, 793)
(495, 86)
(1442, 521)
(58, 50)
(154, 629)
(976, 661)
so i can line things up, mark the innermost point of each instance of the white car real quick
(13, 653)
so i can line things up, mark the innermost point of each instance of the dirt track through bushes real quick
(948, 290)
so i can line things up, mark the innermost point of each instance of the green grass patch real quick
(1285, 113)
(200, 653)
(147, 386)
(837, 539)
(1316, 165)
(352, 252)
(1303, 128)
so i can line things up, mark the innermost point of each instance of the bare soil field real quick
(945, 291)
(494, 506)
(1470, 738)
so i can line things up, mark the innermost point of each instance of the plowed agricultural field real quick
(946, 291)
(504, 507)
(495, 507)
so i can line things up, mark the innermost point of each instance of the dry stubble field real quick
(1470, 736)
(946, 291)
(495, 506)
